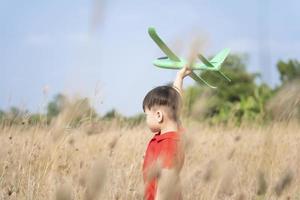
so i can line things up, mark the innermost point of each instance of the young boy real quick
(164, 155)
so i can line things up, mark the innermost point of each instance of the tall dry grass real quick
(96, 161)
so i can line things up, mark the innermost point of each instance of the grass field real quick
(95, 161)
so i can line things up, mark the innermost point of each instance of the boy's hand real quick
(181, 74)
(184, 72)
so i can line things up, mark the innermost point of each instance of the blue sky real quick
(101, 49)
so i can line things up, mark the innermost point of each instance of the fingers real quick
(187, 70)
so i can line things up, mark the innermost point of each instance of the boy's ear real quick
(159, 116)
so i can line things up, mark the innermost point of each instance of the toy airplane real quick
(174, 62)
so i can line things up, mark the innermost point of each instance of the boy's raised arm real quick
(179, 79)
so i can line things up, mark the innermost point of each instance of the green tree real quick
(112, 114)
(79, 111)
(238, 100)
(289, 70)
(14, 112)
(285, 104)
(56, 105)
(71, 111)
(2, 114)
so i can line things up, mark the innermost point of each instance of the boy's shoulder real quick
(171, 135)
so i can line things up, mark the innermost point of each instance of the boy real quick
(164, 155)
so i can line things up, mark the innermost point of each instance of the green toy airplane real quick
(174, 62)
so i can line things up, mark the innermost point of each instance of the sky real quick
(100, 48)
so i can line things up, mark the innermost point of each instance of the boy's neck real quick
(169, 126)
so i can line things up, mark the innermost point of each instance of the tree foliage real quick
(285, 105)
(235, 101)
(70, 111)
(289, 70)
(56, 105)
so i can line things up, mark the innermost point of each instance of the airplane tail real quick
(216, 63)
(219, 58)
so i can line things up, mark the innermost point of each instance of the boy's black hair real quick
(163, 96)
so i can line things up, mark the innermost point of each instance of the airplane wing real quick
(205, 61)
(162, 45)
(219, 58)
(200, 80)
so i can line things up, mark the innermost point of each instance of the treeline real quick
(245, 99)
(79, 109)
(71, 112)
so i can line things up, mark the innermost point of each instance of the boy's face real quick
(154, 118)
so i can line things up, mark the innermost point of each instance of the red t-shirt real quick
(168, 148)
